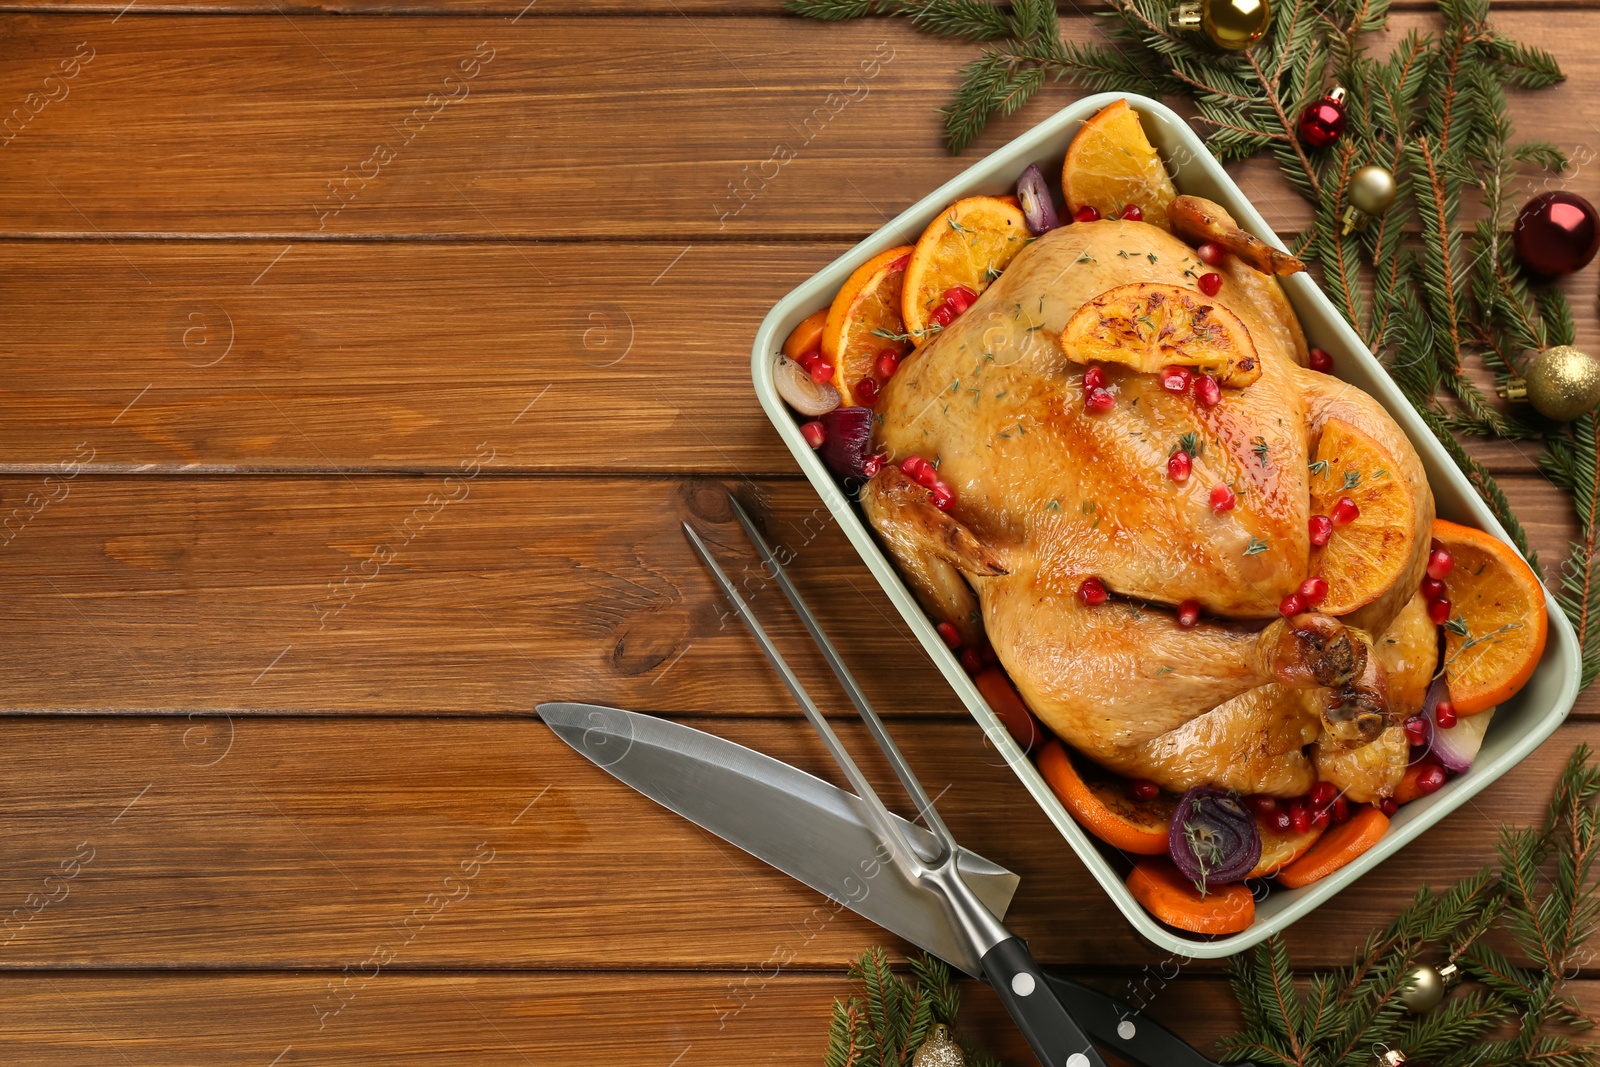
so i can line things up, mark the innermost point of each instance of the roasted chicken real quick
(1051, 491)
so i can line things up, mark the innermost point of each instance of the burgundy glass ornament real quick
(1322, 122)
(1556, 233)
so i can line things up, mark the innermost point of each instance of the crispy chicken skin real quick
(1049, 493)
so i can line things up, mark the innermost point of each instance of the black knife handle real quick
(1123, 1029)
(1036, 1007)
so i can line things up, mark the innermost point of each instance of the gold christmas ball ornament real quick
(1231, 24)
(1425, 987)
(1370, 194)
(1562, 383)
(938, 1050)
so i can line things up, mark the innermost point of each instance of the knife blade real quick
(807, 828)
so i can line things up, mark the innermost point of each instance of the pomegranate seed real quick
(1291, 606)
(1222, 499)
(1099, 400)
(926, 476)
(873, 464)
(1092, 592)
(942, 316)
(970, 661)
(1133, 213)
(1188, 614)
(1389, 805)
(1321, 361)
(1207, 391)
(888, 363)
(1430, 779)
(1143, 789)
(1211, 254)
(1322, 794)
(1345, 512)
(1094, 376)
(1261, 803)
(821, 371)
(1178, 465)
(1211, 283)
(948, 633)
(1444, 713)
(1176, 379)
(912, 464)
(944, 497)
(1439, 563)
(1319, 817)
(1085, 214)
(1416, 731)
(1439, 611)
(866, 391)
(1340, 810)
(813, 433)
(1321, 529)
(960, 298)
(1281, 819)
(1432, 588)
(1299, 817)
(1314, 590)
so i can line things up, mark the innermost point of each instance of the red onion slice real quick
(1214, 839)
(848, 441)
(1458, 746)
(1038, 209)
(797, 389)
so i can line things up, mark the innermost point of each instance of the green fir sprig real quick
(885, 1024)
(1432, 111)
(1542, 896)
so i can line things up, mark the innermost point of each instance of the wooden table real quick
(356, 373)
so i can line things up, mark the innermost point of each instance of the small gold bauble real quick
(1392, 1058)
(1425, 987)
(1561, 383)
(938, 1050)
(1231, 24)
(1371, 190)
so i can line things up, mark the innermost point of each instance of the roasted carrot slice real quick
(1006, 703)
(1172, 898)
(1279, 848)
(1338, 846)
(1104, 807)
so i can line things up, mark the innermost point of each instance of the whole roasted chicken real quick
(1164, 615)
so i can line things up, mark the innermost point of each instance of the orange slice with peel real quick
(1338, 846)
(1103, 806)
(1148, 326)
(806, 337)
(1172, 898)
(864, 320)
(1279, 848)
(1364, 558)
(1111, 164)
(1497, 626)
(969, 244)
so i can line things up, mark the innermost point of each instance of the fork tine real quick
(880, 733)
(888, 832)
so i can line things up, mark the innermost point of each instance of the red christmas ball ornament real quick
(1556, 233)
(1322, 122)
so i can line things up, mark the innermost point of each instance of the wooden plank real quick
(381, 595)
(302, 843)
(253, 356)
(619, 127)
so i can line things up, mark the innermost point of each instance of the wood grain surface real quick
(341, 425)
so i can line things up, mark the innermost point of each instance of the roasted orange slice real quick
(1172, 898)
(1148, 326)
(806, 337)
(1338, 847)
(1356, 484)
(1112, 164)
(957, 257)
(1497, 627)
(1103, 806)
(862, 322)
(1279, 848)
